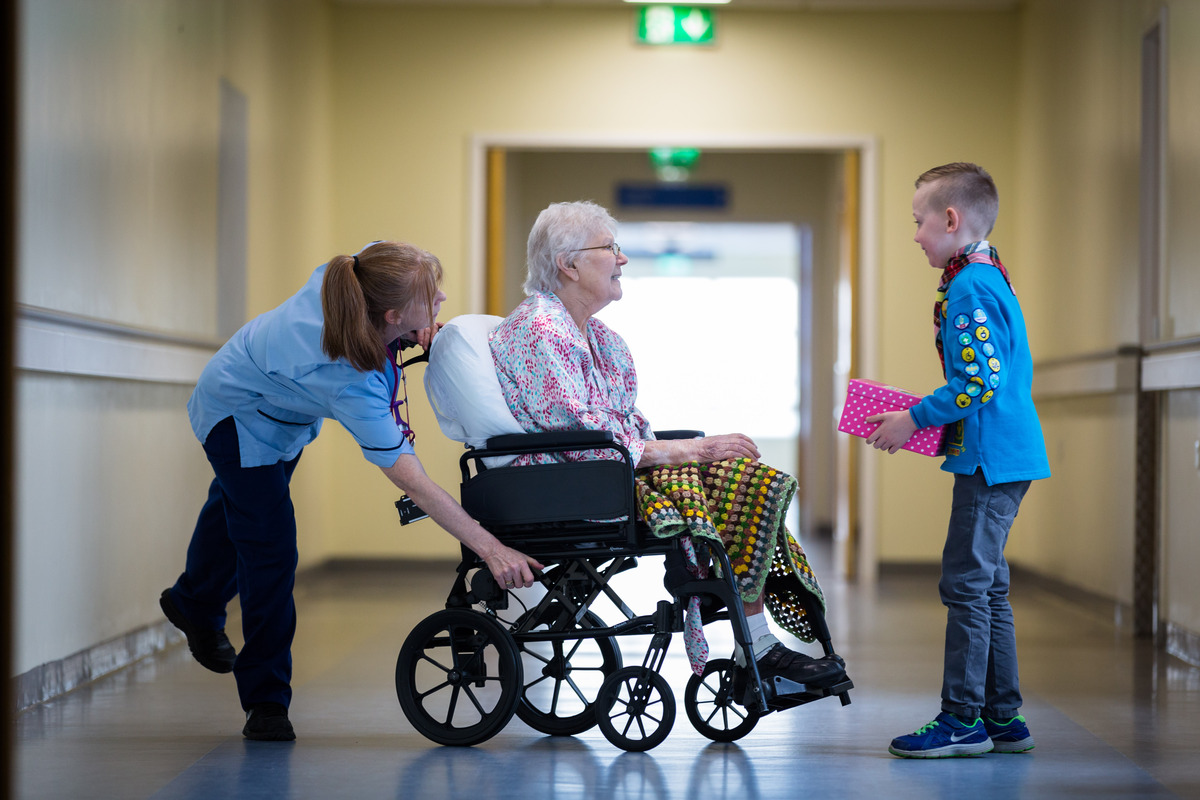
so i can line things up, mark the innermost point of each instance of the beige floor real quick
(1112, 717)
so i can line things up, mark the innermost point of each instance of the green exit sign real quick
(675, 25)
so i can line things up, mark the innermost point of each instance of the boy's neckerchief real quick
(976, 253)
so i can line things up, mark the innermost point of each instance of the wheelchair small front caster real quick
(635, 709)
(458, 677)
(711, 704)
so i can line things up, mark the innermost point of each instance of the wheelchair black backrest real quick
(570, 502)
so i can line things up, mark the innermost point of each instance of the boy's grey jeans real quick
(980, 675)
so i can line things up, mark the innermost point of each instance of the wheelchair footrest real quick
(780, 692)
(782, 686)
(808, 694)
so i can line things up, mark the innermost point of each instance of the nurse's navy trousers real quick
(245, 544)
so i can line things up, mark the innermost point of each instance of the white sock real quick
(761, 637)
(764, 643)
(758, 625)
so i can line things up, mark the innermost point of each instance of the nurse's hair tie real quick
(355, 263)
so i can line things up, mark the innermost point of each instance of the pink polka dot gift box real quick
(867, 398)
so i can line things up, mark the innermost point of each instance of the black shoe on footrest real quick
(798, 667)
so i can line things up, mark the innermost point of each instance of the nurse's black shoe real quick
(268, 722)
(211, 648)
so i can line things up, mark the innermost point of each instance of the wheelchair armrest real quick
(680, 434)
(529, 442)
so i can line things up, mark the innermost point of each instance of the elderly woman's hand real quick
(706, 449)
(724, 447)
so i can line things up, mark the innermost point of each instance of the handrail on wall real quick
(61, 343)
(1160, 366)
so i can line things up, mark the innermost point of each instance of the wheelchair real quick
(464, 672)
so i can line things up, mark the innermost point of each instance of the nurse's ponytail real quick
(359, 290)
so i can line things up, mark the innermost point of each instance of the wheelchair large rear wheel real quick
(635, 709)
(711, 706)
(563, 677)
(458, 677)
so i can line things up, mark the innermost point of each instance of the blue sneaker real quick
(1010, 736)
(946, 736)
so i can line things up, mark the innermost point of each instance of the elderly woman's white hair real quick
(560, 230)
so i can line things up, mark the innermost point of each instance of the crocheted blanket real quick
(740, 504)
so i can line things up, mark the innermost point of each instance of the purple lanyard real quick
(401, 385)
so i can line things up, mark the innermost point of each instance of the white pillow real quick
(462, 385)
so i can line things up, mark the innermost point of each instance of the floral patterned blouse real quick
(555, 379)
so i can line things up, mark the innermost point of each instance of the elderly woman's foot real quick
(798, 667)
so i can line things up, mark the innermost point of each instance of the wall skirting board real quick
(52, 680)
(1182, 643)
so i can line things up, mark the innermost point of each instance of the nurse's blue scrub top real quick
(276, 382)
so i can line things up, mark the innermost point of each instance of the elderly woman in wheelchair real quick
(587, 489)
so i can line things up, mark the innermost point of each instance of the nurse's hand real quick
(511, 568)
(424, 336)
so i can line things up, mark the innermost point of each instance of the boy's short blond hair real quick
(966, 187)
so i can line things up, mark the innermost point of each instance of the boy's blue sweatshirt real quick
(987, 401)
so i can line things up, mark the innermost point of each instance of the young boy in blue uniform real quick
(994, 447)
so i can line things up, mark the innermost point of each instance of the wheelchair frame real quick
(474, 660)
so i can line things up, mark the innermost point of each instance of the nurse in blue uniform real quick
(328, 352)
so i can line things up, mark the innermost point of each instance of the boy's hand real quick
(895, 428)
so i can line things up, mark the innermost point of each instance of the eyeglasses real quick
(613, 248)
